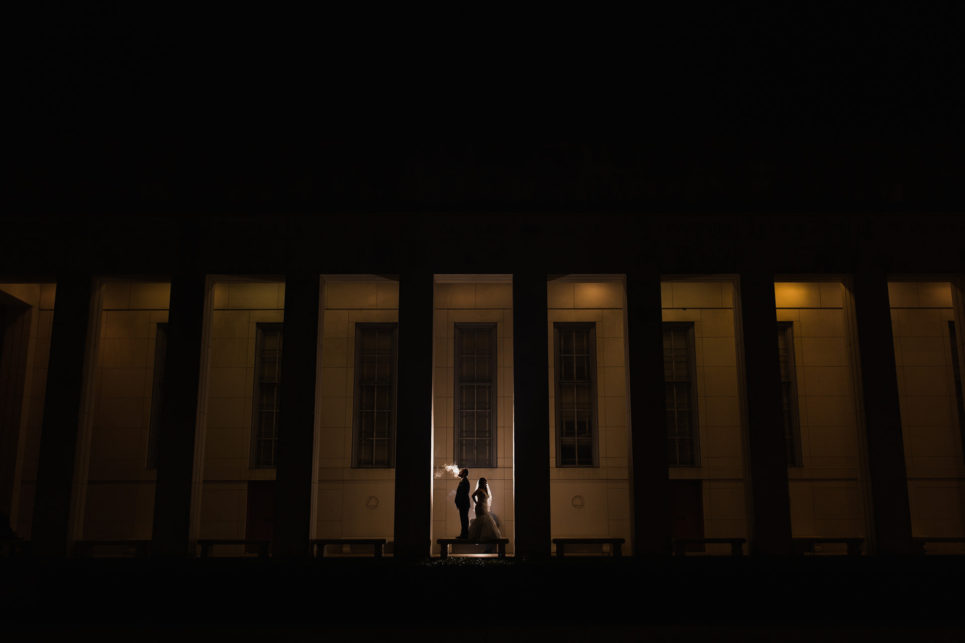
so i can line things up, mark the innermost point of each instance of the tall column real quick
(63, 410)
(531, 472)
(179, 413)
(293, 478)
(652, 526)
(413, 460)
(15, 323)
(891, 515)
(771, 512)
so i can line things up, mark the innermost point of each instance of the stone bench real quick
(89, 548)
(736, 544)
(207, 543)
(808, 545)
(616, 544)
(318, 544)
(499, 542)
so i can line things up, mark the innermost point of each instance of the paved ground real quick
(802, 599)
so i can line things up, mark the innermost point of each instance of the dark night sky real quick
(723, 108)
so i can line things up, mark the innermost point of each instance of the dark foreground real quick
(465, 600)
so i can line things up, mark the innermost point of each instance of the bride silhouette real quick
(483, 526)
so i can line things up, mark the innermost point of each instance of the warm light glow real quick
(795, 294)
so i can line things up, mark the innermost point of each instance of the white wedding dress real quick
(483, 526)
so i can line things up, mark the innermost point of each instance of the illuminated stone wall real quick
(920, 312)
(471, 299)
(827, 496)
(349, 502)
(826, 492)
(120, 487)
(593, 501)
(709, 305)
(236, 307)
(40, 298)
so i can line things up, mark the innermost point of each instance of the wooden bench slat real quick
(616, 543)
(806, 545)
(84, 548)
(207, 543)
(921, 542)
(736, 544)
(318, 544)
(500, 543)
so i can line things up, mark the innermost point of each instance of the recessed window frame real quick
(493, 383)
(360, 327)
(257, 412)
(558, 328)
(790, 404)
(673, 454)
(157, 393)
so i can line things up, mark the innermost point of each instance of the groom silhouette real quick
(462, 503)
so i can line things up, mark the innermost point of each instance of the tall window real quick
(679, 370)
(264, 443)
(575, 394)
(789, 401)
(375, 387)
(157, 393)
(475, 395)
(957, 376)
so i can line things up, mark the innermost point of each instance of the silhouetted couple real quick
(483, 526)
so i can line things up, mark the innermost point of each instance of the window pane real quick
(567, 342)
(680, 392)
(483, 396)
(375, 410)
(475, 369)
(575, 394)
(482, 368)
(268, 346)
(792, 438)
(483, 424)
(567, 453)
(382, 398)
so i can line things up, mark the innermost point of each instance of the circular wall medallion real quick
(577, 502)
(372, 502)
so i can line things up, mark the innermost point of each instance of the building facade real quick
(769, 378)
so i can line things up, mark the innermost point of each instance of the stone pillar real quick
(64, 407)
(891, 515)
(179, 415)
(652, 525)
(413, 459)
(770, 510)
(531, 415)
(15, 324)
(296, 432)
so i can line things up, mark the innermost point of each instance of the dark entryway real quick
(261, 512)
(687, 507)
